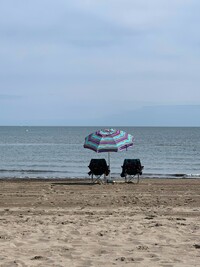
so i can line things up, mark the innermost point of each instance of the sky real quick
(108, 62)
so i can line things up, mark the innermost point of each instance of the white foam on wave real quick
(192, 175)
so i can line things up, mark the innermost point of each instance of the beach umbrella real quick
(108, 140)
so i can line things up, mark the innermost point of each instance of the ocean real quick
(57, 152)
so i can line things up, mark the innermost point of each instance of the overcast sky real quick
(100, 62)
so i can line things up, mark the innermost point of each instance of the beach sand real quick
(75, 223)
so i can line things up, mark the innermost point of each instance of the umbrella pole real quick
(109, 164)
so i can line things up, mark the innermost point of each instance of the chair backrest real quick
(98, 166)
(132, 166)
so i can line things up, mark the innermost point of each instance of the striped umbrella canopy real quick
(108, 140)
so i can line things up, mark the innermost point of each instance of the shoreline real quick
(115, 176)
(87, 179)
(76, 223)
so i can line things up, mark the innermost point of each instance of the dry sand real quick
(75, 223)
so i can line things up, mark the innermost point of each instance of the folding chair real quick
(131, 169)
(98, 168)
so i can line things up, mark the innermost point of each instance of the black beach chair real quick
(98, 168)
(131, 169)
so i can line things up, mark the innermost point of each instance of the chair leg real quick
(128, 178)
(104, 178)
(98, 179)
(125, 178)
(138, 179)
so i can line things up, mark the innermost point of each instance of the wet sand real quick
(77, 223)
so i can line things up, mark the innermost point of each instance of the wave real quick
(192, 175)
(170, 175)
(30, 171)
(58, 174)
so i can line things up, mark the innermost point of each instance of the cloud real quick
(65, 25)
(87, 24)
(62, 56)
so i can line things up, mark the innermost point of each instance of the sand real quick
(76, 223)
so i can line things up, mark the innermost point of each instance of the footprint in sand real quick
(15, 263)
(129, 259)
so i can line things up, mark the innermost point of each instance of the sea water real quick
(57, 152)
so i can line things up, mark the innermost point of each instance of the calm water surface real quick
(57, 152)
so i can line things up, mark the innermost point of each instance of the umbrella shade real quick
(108, 140)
